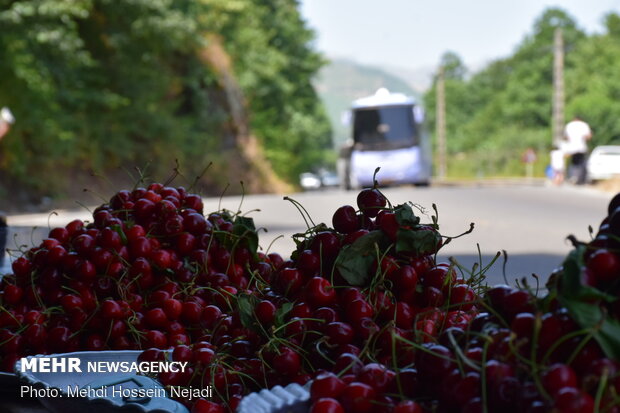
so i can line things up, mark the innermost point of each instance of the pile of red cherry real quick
(138, 276)
(362, 309)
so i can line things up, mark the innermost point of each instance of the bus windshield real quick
(385, 126)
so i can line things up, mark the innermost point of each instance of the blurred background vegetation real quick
(105, 86)
(496, 113)
(100, 87)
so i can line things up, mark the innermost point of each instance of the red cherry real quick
(326, 405)
(156, 318)
(326, 244)
(192, 312)
(173, 308)
(377, 376)
(309, 263)
(388, 224)
(287, 362)
(182, 352)
(347, 363)
(572, 400)
(194, 202)
(61, 234)
(404, 315)
(407, 406)
(523, 325)
(339, 333)
(13, 294)
(203, 355)
(439, 277)
(320, 292)
(405, 278)
(605, 265)
(326, 385)
(358, 309)
(345, 220)
(134, 232)
(84, 244)
(109, 238)
(462, 296)
(354, 236)
(71, 302)
(358, 397)
(289, 280)
(517, 301)
(140, 247)
(557, 377)
(210, 315)
(156, 339)
(74, 227)
(370, 201)
(162, 258)
(265, 312)
(111, 309)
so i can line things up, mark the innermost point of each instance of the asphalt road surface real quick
(529, 222)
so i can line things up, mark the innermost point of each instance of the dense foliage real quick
(100, 85)
(496, 113)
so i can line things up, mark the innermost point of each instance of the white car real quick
(309, 181)
(604, 162)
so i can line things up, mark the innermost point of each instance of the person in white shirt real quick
(6, 120)
(577, 134)
(557, 164)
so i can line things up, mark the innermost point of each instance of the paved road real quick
(529, 222)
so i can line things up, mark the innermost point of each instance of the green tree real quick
(498, 112)
(593, 85)
(274, 61)
(103, 85)
(457, 108)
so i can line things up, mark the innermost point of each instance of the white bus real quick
(387, 132)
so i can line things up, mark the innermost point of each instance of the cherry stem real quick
(375, 183)
(219, 205)
(198, 177)
(303, 211)
(242, 198)
(175, 173)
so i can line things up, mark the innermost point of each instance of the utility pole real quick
(558, 86)
(440, 124)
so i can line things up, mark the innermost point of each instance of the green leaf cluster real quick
(101, 85)
(584, 304)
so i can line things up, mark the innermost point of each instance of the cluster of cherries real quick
(140, 275)
(413, 337)
(361, 309)
(303, 317)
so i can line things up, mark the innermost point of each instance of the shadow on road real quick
(517, 266)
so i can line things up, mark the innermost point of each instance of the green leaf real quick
(583, 304)
(246, 304)
(281, 314)
(417, 241)
(121, 233)
(405, 215)
(354, 260)
(606, 331)
(572, 288)
(244, 228)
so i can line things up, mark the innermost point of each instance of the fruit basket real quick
(361, 317)
(292, 398)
